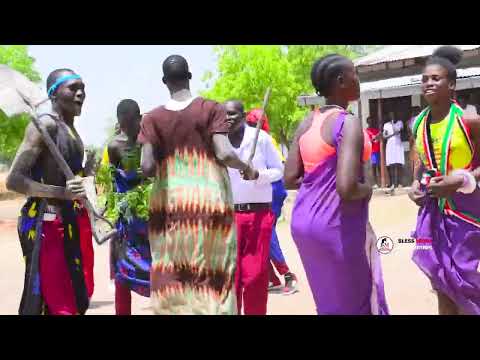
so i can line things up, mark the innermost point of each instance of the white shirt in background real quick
(394, 151)
(266, 161)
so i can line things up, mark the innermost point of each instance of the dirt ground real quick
(407, 289)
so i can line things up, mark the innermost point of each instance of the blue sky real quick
(112, 73)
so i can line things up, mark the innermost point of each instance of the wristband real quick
(469, 183)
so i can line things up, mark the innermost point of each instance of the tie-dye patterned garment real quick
(191, 230)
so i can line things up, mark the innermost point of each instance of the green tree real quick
(246, 71)
(13, 128)
(16, 57)
(302, 57)
(11, 135)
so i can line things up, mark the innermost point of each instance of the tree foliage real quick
(16, 57)
(244, 72)
(11, 135)
(13, 128)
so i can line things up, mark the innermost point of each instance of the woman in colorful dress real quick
(191, 230)
(445, 187)
(330, 215)
(130, 251)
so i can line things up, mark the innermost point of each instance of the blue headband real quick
(60, 81)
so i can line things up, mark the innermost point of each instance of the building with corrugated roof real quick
(390, 81)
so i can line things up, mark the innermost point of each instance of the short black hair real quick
(175, 67)
(447, 57)
(54, 75)
(325, 70)
(237, 103)
(128, 106)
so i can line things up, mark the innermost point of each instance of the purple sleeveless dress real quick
(330, 235)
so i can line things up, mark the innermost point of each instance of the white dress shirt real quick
(266, 161)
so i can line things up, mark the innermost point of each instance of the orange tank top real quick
(315, 150)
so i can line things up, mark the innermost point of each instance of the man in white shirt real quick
(254, 217)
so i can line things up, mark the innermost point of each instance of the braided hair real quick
(325, 70)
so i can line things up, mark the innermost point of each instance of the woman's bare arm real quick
(351, 148)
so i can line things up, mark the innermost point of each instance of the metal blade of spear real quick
(20, 95)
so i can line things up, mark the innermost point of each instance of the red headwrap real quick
(254, 115)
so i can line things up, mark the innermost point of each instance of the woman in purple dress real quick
(330, 216)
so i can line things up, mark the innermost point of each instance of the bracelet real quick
(469, 183)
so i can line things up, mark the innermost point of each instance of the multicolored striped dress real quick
(191, 231)
(448, 229)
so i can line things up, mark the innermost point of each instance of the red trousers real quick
(56, 284)
(123, 299)
(254, 230)
(282, 269)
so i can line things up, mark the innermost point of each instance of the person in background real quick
(394, 151)
(130, 252)
(465, 104)
(374, 135)
(279, 194)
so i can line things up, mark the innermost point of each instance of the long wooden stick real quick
(60, 160)
(259, 124)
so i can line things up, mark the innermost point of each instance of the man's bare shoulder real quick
(33, 136)
(48, 121)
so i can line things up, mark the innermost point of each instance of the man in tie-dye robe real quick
(191, 230)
